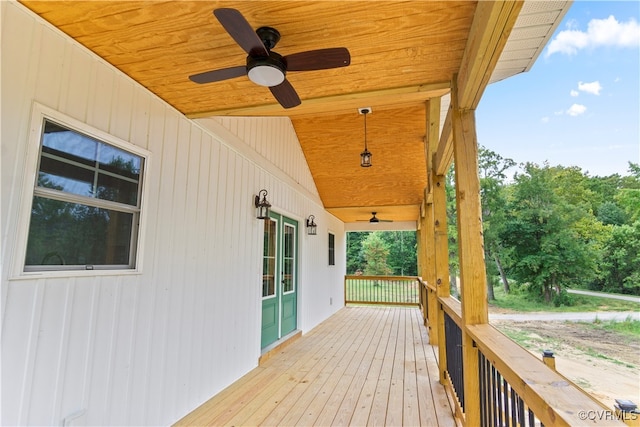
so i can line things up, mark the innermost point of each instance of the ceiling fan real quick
(266, 67)
(374, 219)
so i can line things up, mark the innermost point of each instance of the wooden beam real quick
(444, 153)
(491, 27)
(335, 104)
(432, 136)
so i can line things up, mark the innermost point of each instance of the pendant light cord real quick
(365, 129)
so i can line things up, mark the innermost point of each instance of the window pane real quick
(117, 190)
(77, 164)
(64, 233)
(269, 259)
(118, 161)
(332, 256)
(69, 144)
(65, 177)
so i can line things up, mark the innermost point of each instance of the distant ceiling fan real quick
(374, 219)
(266, 67)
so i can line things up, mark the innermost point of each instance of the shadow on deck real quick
(362, 366)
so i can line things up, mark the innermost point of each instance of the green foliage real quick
(402, 251)
(520, 299)
(609, 213)
(375, 252)
(563, 299)
(629, 327)
(545, 250)
(452, 221)
(621, 260)
(355, 256)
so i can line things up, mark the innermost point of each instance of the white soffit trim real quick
(534, 27)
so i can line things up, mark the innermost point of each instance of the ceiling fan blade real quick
(285, 94)
(240, 30)
(218, 75)
(321, 59)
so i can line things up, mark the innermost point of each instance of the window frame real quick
(30, 190)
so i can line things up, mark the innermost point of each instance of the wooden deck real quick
(362, 366)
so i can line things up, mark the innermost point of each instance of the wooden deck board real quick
(362, 366)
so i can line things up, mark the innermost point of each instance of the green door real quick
(279, 278)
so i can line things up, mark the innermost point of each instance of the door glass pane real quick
(289, 255)
(269, 259)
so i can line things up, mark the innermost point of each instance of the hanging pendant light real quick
(365, 156)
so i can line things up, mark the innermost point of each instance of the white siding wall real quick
(145, 349)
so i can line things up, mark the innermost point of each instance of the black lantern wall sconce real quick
(312, 228)
(262, 205)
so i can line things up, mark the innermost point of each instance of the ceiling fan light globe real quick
(266, 71)
(266, 75)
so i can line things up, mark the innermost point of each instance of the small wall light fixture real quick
(365, 156)
(262, 205)
(312, 228)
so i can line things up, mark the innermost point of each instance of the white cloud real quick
(600, 32)
(574, 92)
(545, 119)
(576, 110)
(593, 87)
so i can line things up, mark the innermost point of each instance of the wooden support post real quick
(473, 286)
(423, 266)
(432, 108)
(441, 251)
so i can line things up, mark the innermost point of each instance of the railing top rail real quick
(363, 277)
(554, 399)
(453, 308)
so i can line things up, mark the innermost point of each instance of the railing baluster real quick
(403, 290)
(512, 408)
(482, 363)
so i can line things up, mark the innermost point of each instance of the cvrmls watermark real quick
(606, 415)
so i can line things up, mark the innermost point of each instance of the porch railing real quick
(396, 290)
(513, 387)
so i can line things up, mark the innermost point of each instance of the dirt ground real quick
(606, 364)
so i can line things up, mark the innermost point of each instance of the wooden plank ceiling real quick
(402, 54)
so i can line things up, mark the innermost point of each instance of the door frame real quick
(273, 307)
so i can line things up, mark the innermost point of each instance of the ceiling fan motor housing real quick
(266, 70)
(269, 36)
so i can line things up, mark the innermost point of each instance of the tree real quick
(610, 213)
(546, 251)
(621, 260)
(492, 168)
(452, 229)
(375, 252)
(402, 252)
(355, 256)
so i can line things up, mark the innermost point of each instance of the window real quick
(86, 203)
(332, 249)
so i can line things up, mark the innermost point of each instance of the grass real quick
(521, 300)
(629, 328)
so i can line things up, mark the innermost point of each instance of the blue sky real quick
(579, 105)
